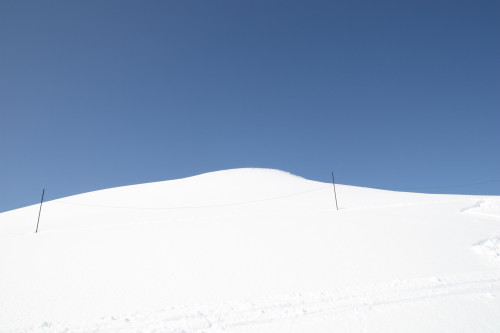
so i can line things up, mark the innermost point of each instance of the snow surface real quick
(251, 250)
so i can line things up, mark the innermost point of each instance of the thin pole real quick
(335, 191)
(40, 211)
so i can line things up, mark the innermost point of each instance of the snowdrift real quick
(251, 250)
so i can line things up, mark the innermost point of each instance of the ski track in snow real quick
(254, 313)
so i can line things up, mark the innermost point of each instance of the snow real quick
(251, 250)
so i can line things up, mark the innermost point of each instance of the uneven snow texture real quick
(489, 247)
(251, 250)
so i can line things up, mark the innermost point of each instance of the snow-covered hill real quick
(251, 250)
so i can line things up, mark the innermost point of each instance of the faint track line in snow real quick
(193, 207)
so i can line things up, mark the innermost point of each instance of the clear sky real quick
(389, 94)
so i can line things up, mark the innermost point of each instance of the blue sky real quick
(389, 94)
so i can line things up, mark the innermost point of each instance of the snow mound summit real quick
(249, 173)
(251, 250)
(224, 192)
(213, 188)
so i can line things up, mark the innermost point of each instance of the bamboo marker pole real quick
(335, 191)
(40, 211)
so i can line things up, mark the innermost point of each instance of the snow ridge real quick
(251, 250)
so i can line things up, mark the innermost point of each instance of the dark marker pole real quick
(40, 211)
(334, 191)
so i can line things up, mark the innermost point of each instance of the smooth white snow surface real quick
(251, 250)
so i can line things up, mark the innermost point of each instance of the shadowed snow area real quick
(251, 250)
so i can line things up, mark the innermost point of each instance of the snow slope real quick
(251, 250)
